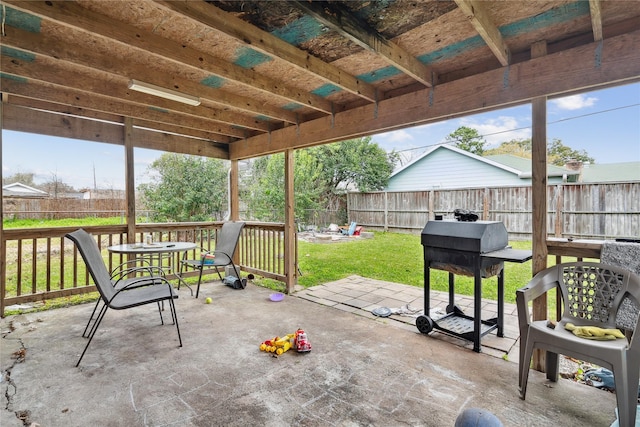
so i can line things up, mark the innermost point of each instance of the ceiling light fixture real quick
(163, 93)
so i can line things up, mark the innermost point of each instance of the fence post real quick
(432, 213)
(386, 211)
(485, 204)
(559, 208)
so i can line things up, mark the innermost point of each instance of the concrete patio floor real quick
(362, 370)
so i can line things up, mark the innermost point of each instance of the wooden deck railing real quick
(40, 264)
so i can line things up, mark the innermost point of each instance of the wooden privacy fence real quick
(60, 208)
(591, 211)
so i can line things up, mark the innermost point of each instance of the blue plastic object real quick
(601, 378)
(476, 417)
(352, 228)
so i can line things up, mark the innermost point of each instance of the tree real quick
(264, 191)
(188, 188)
(55, 187)
(25, 178)
(321, 177)
(356, 162)
(516, 147)
(557, 153)
(467, 139)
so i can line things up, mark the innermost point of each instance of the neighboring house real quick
(609, 172)
(89, 194)
(449, 167)
(21, 190)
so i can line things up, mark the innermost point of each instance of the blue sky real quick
(604, 123)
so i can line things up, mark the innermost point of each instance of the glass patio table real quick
(156, 252)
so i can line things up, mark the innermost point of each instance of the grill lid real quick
(479, 236)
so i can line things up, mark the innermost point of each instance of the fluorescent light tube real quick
(163, 93)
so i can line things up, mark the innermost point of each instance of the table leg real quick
(181, 280)
(501, 303)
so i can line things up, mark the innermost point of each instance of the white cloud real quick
(574, 102)
(396, 136)
(499, 129)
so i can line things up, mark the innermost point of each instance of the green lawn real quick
(67, 222)
(397, 258)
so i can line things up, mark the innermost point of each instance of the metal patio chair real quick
(134, 293)
(122, 276)
(592, 294)
(222, 255)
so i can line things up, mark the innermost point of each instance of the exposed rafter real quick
(68, 110)
(74, 15)
(66, 96)
(73, 53)
(596, 19)
(23, 119)
(53, 72)
(348, 25)
(479, 17)
(269, 44)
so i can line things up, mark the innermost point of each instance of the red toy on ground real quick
(301, 343)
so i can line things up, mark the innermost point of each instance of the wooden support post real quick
(289, 223)
(234, 193)
(3, 246)
(234, 201)
(539, 198)
(130, 185)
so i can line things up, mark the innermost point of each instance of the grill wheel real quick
(424, 324)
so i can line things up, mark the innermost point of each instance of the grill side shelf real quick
(509, 255)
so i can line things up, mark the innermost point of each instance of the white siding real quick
(443, 168)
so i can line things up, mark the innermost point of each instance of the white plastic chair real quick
(592, 293)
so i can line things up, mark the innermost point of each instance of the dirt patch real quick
(330, 237)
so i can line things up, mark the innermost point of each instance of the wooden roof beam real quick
(596, 19)
(68, 110)
(22, 119)
(341, 20)
(75, 53)
(91, 101)
(37, 104)
(55, 72)
(269, 44)
(71, 14)
(477, 14)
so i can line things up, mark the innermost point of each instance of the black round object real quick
(424, 324)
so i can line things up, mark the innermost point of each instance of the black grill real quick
(457, 247)
(476, 249)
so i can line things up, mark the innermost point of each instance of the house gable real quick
(449, 167)
(18, 189)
